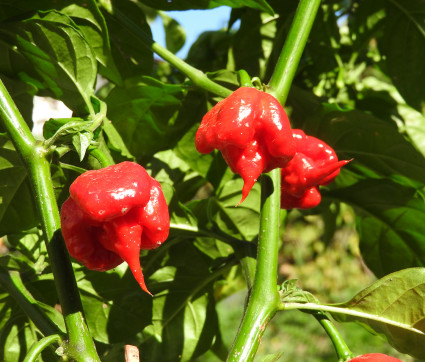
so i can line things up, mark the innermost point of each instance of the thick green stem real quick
(264, 299)
(81, 346)
(341, 348)
(292, 50)
(198, 78)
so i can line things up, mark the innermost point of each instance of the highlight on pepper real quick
(251, 130)
(113, 213)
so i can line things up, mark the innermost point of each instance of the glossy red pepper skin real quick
(315, 163)
(252, 131)
(375, 357)
(112, 214)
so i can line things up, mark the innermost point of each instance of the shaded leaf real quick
(253, 42)
(183, 315)
(210, 51)
(403, 44)
(130, 53)
(17, 210)
(205, 4)
(389, 221)
(175, 35)
(371, 142)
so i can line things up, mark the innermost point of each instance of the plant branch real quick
(263, 301)
(290, 56)
(341, 348)
(81, 346)
(40, 346)
(264, 298)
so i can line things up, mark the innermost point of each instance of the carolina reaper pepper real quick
(111, 214)
(375, 357)
(315, 163)
(252, 131)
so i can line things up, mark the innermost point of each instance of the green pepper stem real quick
(198, 78)
(40, 346)
(263, 301)
(81, 346)
(290, 56)
(264, 298)
(341, 348)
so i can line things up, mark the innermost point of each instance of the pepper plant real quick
(198, 169)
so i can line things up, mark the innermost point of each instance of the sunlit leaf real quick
(393, 306)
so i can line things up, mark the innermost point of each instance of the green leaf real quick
(241, 221)
(389, 221)
(253, 42)
(63, 131)
(115, 141)
(131, 55)
(186, 150)
(116, 308)
(392, 306)
(371, 142)
(92, 25)
(183, 315)
(146, 115)
(403, 45)
(210, 51)
(175, 35)
(59, 54)
(17, 210)
(254, 4)
(414, 126)
(81, 142)
(205, 4)
(63, 127)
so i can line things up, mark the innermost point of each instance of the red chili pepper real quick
(112, 214)
(375, 357)
(314, 164)
(252, 131)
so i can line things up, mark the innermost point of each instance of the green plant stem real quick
(12, 283)
(264, 298)
(290, 56)
(81, 346)
(40, 346)
(103, 158)
(197, 77)
(341, 348)
(263, 301)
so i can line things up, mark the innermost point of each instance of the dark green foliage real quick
(360, 87)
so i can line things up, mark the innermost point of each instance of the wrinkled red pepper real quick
(252, 131)
(315, 163)
(111, 215)
(375, 357)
